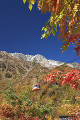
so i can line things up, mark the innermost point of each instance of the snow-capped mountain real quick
(38, 59)
(42, 60)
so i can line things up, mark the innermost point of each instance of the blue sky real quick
(20, 31)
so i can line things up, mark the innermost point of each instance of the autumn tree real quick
(66, 15)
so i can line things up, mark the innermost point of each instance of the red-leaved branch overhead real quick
(66, 15)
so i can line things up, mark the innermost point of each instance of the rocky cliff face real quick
(38, 59)
(15, 65)
(42, 60)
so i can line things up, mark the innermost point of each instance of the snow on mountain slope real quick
(41, 59)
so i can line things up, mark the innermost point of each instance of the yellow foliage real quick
(64, 109)
(24, 1)
(0, 118)
(48, 117)
(56, 119)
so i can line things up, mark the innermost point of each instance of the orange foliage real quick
(64, 13)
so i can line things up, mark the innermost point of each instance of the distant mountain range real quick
(43, 61)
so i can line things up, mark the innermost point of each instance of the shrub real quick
(8, 75)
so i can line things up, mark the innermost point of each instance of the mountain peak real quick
(38, 59)
(42, 60)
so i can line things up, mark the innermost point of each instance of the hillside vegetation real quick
(18, 102)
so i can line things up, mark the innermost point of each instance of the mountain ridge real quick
(43, 61)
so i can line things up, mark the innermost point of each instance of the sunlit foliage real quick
(57, 97)
(71, 78)
(66, 15)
